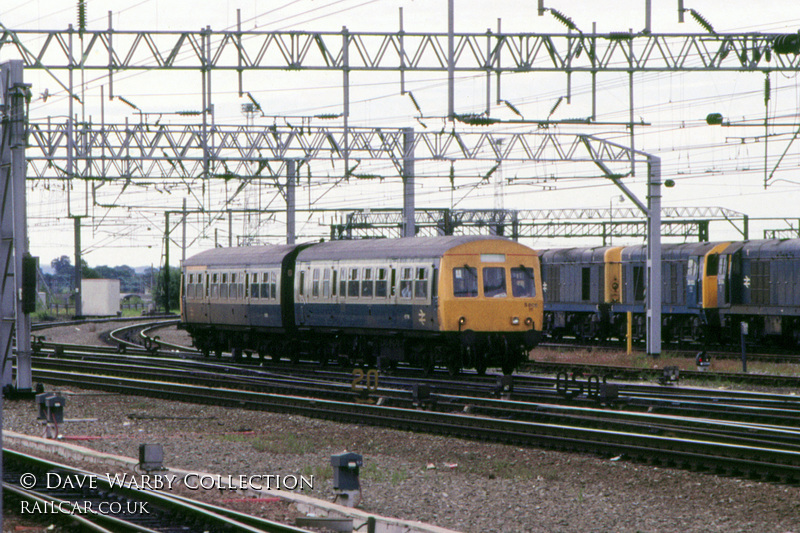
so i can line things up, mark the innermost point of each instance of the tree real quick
(174, 288)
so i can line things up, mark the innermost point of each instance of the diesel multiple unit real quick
(462, 302)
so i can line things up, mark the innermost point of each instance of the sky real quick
(711, 165)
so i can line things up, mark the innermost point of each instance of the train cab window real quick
(367, 283)
(315, 283)
(380, 283)
(712, 265)
(421, 283)
(522, 282)
(465, 282)
(352, 284)
(405, 283)
(326, 283)
(494, 282)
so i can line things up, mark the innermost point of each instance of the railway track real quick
(104, 503)
(139, 339)
(745, 446)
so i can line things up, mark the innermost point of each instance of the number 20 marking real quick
(371, 382)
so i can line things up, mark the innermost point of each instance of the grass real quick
(641, 360)
(278, 444)
(371, 472)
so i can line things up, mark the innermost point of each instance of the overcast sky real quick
(712, 166)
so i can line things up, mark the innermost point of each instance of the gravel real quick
(454, 483)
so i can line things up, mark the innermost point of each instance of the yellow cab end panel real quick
(502, 312)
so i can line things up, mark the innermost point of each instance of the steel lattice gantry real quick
(239, 50)
(682, 222)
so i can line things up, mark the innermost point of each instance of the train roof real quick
(404, 248)
(241, 256)
(410, 247)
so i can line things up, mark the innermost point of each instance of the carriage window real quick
(380, 284)
(494, 282)
(315, 284)
(522, 283)
(366, 284)
(264, 285)
(273, 293)
(421, 283)
(405, 283)
(302, 282)
(465, 282)
(352, 284)
(326, 283)
(198, 289)
(254, 286)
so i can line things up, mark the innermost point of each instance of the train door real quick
(694, 282)
(723, 282)
(735, 279)
(302, 293)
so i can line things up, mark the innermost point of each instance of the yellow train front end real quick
(490, 298)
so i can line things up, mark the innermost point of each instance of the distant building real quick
(100, 297)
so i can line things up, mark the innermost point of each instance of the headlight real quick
(515, 321)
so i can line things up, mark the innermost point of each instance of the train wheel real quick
(322, 355)
(480, 364)
(428, 363)
(218, 353)
(454, 363)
